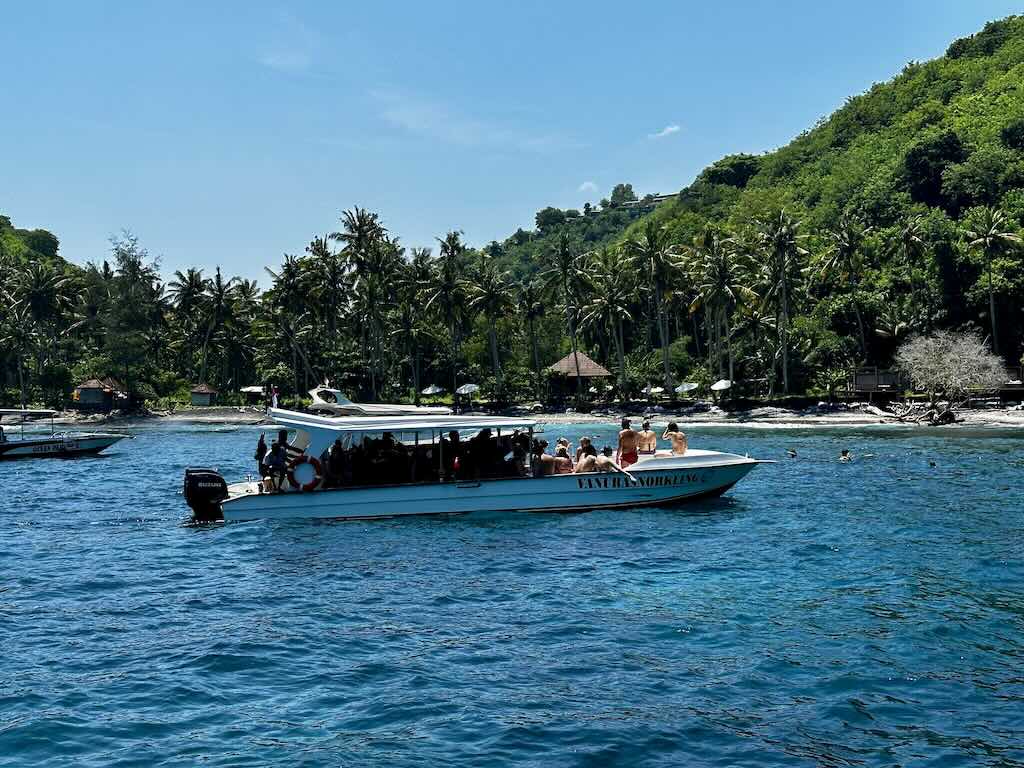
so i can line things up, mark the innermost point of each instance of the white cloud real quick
(291, 62)
(291, 50)
(587, 187)
(433, 120)
(668, 130)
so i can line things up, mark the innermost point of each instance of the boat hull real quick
(57, 447)
(670, 483)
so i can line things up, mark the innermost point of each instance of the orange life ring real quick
(318, 471)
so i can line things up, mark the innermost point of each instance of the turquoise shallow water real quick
(820, 614)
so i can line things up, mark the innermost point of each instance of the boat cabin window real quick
(390, 458)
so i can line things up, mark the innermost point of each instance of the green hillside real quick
(897, 215)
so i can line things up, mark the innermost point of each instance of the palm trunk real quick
(663, 333)
(860, 330)
(416, 375)
(575, 355)
(728, 345)
(536, 359)
(455, 366)
(622, 359)
(696, 335)
(992, 308)
(21, 380)
(492, 333)
(784, 330)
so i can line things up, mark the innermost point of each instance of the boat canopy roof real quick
(26, 413)
(416, 423)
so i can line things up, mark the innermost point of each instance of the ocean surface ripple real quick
(821, 614)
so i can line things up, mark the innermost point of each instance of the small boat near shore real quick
(55, 445)
(333, 402)
(422, 465)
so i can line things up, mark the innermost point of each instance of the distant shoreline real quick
(757, 418)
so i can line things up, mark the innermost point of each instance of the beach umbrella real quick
(686, 386)
(721, 385)
(467, 389)
(433, 389)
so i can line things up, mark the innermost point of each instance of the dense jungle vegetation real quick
(899, 214)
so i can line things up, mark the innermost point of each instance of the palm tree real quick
(844, 262)
(186, 292)
(329, 282)
(563, 279)
(531, 303)
(217, 310)
(910, 248)
(448, 295)
(781, 242)
(655, 256)
(490, 294)
(613, 285)
(21, 335)
(720, 286)
(987, 231)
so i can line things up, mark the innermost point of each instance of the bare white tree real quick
(951, 365)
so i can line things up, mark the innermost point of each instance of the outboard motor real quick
(204, 490)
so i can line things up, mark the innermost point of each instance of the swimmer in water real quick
(791, 453)
(845, 456)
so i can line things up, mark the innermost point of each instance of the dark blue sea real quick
(821, 614)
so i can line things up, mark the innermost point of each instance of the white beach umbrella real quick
(721, 385)
(686, 386)
(433, 389)
(467, 389)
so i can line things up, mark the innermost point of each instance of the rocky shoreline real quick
(706, 414)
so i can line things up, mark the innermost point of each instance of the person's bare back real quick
(648, 440)
(678, 438)
(628, 440)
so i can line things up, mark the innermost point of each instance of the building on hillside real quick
(204, 394)
(565, 371)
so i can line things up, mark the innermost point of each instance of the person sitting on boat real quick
(679, 442)
(336, 463)
(628, 439)
(277, 466)
(451, 449)
(563, 461)
(543, 464)
(586, 449)
(647, 445)
(605, 463)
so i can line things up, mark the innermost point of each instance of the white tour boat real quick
(53, 445)
(334, 402)
(414, 469)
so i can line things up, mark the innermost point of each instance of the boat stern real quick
(204, 490)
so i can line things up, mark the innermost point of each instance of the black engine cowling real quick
(204, 490)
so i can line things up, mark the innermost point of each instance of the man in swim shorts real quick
(628, 439)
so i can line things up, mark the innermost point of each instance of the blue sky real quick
(231, 133)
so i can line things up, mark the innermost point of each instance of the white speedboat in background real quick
(334, 402)
(53, 445)
(427, 465)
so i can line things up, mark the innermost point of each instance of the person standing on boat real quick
(647, 445)
(277, 466)
(261, 453)
(628, 439)
(678, 438)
